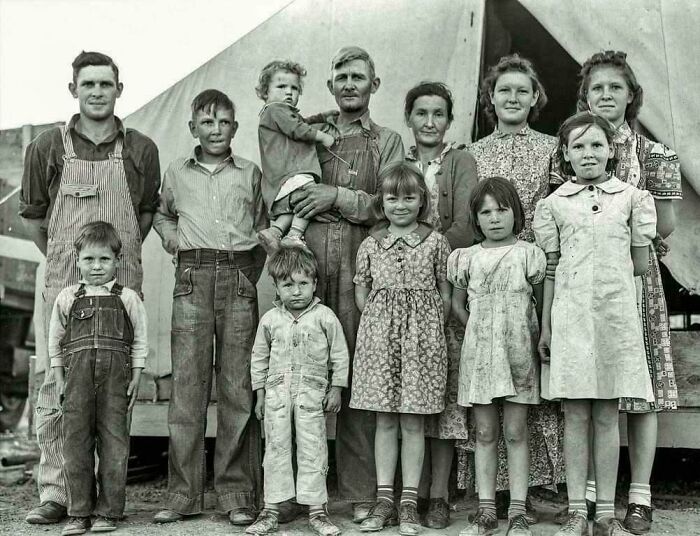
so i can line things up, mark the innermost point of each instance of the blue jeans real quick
(214, 302)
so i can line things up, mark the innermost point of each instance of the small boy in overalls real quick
(298, 343)
(97, 346)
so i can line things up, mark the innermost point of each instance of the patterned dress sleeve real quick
(662, 172)
(363, 275)
(545, 228)
(643, 220)
(536, 264)
(458, 268)
(557, 176)
(442, 253)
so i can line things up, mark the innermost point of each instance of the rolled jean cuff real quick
(226, 502)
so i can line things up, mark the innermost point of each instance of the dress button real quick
(591, 188)
(595, 208)
(444, 193)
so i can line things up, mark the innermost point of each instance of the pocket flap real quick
(79, 190)
(245, 287)
(83, 312)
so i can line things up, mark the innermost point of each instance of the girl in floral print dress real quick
(400, 363)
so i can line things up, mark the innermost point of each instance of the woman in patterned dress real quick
(512, 96)
(609, 88)
(450, 176)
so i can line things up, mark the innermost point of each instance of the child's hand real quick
(260, 405)
(331, 402)
(60, 382)
(326, 140)
(662, 248)
(543, 347)
(133, 390)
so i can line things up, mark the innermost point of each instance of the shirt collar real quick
(118, 122)
(108, 285)
(387, 239)
(279, 305)
(282, 103)
(364, 120)
(413, 153)
(193, 158)
(623, 133)
(611, 186)
(525, 131)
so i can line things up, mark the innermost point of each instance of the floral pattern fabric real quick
(400, 363)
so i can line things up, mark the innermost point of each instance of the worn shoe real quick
(46, 513)
(323, 526)
(409, 524)
(103, 524)
(265, 523)
(423, 505)
(563, 515)
(438, 515)
(575, 525)
(483, 524)
(270, 239)
(241, 516)
(382, 514)
(518, 526)
(294, 242)
(168, 516)
(609, 527)
(76, 525)
(360, 511)
(289, 511)
(638, 518)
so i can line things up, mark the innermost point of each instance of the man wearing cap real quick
(340, 208)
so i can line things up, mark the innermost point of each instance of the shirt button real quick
(591, 188)
(595, 208)
(444, 193)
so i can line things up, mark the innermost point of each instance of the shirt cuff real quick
(258, 385)
(138, 362)
(339, 383)
(344, 200)
(56, 362)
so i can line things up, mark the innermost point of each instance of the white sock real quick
(590, 491)
(640, 494)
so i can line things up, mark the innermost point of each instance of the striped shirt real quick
(220, 209)
(134, 308)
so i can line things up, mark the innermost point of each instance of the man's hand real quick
(543, 347)
(314, 199)
(331, 402)
(58, 374)
(260, 404)
(133, 390)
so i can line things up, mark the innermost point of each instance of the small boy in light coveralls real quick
(298, 342)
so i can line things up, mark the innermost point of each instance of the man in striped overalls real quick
(91, 169)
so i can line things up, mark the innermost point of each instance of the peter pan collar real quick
(611, 186)
(386, 239)
(623, 133)
(413, 153)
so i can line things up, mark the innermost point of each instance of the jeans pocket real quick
(312, 394)
(246, 289)
(183, 282)
(274, 393)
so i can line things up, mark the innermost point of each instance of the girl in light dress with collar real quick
(591, 342)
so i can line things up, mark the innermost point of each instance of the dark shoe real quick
(409, 524)
(47, 513)
(502, 502)
(483, 524)
(638, 518)
(609, 527)
(266, 523)
(289, 511)
(242, 516)
(168, 516)
(360, 511)
(576, 524)
(323, 526)
(423, 505)
(381, 515)
(563, 515)
(518, 526)
(103, 524)
(76, 525)
(438, 516)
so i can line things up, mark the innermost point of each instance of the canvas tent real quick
(413, 40)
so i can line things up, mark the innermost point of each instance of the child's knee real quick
(515, 433)
(388, 423)
(486, 433)
(412, 425)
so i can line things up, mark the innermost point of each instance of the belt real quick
(234, 259)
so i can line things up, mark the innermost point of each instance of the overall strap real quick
(81, 291)
(67, 143)
(117, 289)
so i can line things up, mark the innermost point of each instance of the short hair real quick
(269, 71)
(211, 100)
(85, 59)
(98, 233)
(508, 64)
(350, 53)
(401, 178)
(584, 120)
(617, 60)
(289, 260)
(424, 89)
(505, 194)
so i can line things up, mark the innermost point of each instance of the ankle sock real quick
(590, 490)
(273, 509)
(409, 496)
(516, 508)
(604, 509)
(640, 494)
(488, 506)
(385, 493)
(578, 505)
(315, 511)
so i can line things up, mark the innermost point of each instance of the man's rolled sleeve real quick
(165, 218)
(151, 173)
(34, 198)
